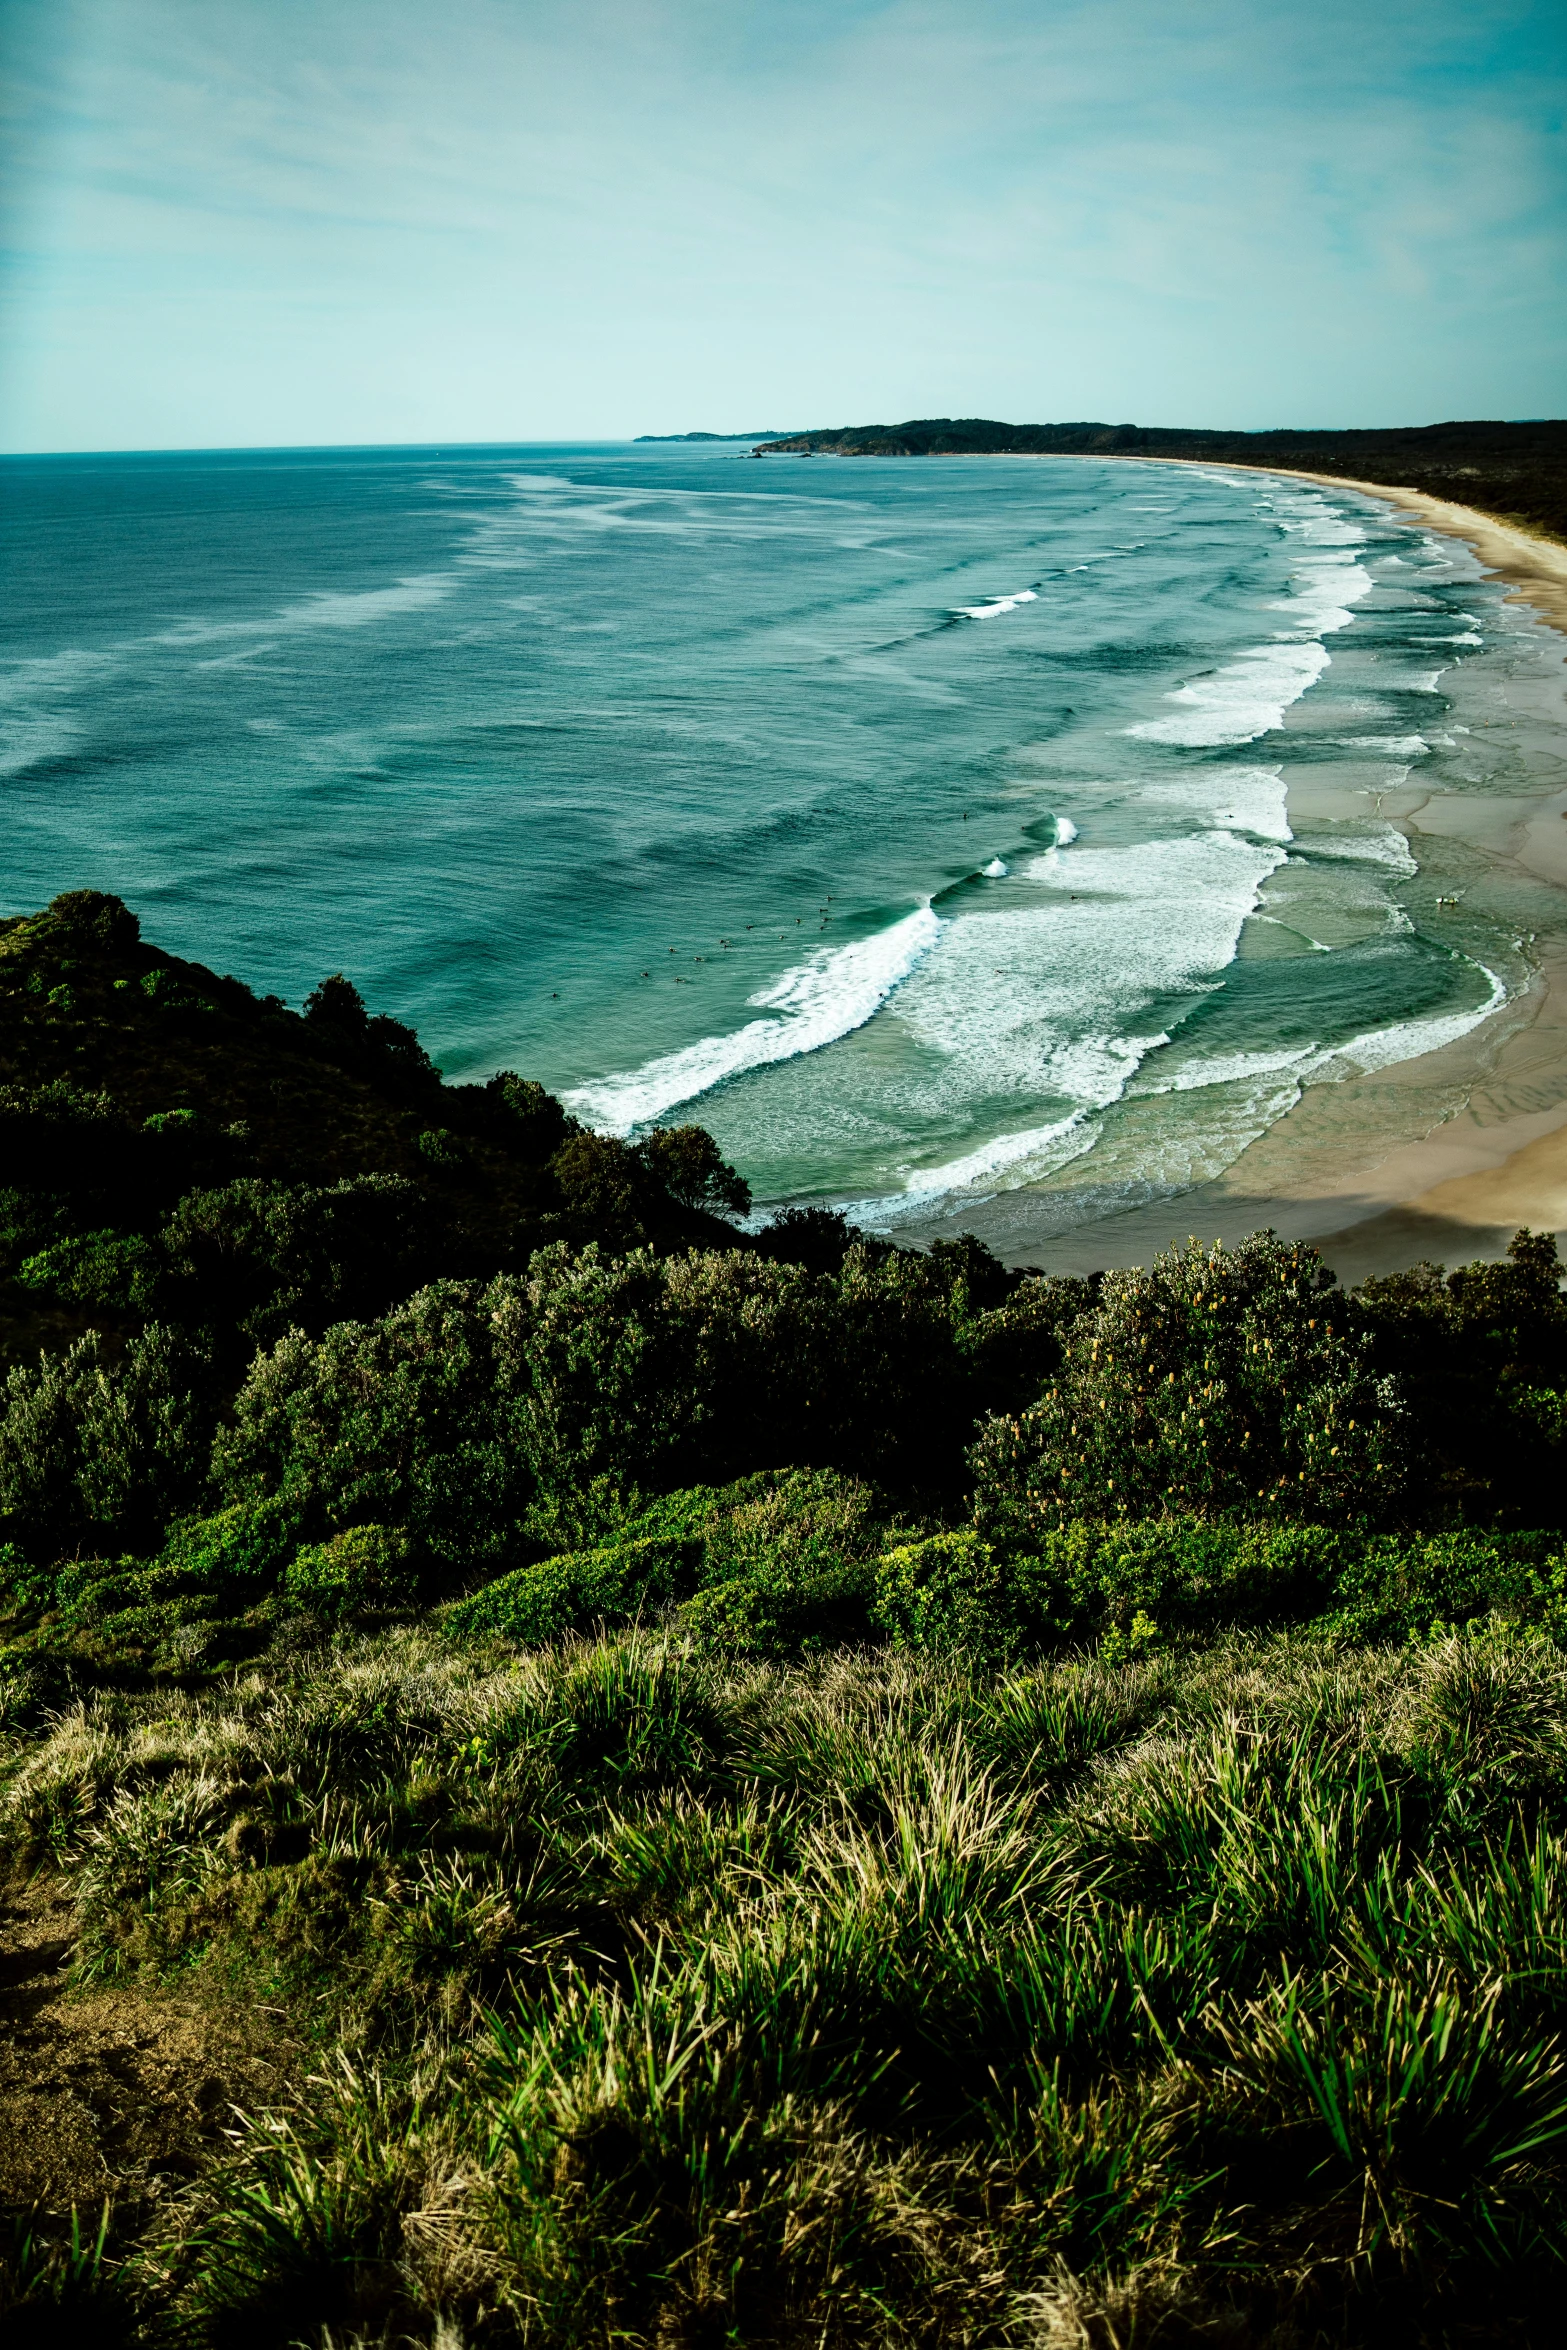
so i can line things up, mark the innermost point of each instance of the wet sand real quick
(1498, 1160)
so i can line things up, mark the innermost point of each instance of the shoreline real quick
(1466, 1187)
(1497, 1161)
(1535, 566)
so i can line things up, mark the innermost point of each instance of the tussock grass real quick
(1214, 1996)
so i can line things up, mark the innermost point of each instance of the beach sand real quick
(1498, 1160)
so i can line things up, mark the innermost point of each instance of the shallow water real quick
(929, 830)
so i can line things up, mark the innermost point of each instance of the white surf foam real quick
(1251, 799)
(1250, 695)
(1392, 746)
(1239, 703)
(1066, 831)
(1386, 847)
(1380, 1048)
(324, 610)
(1059, 984)
(829, 996)
(995, 870)
(48, 674)
(999, 605)
(1230, 1068)
(36, 740)
(1020, 1158)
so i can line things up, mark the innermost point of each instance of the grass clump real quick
(876, 1996)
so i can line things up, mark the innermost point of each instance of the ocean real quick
(937, 832)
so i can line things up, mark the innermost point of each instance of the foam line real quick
(1387, 847)
(999, 605)
(1392, 746)
(1247, 799)
(1250, 695)
(1241, 702)
(1406, 1040)
(830, 996)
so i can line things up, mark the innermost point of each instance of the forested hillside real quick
(1517, 471)
(688, 1785)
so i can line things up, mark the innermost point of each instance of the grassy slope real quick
(659, 2002)
(1515, 471)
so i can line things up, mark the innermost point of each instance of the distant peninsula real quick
(1517, 472)
(771, 434)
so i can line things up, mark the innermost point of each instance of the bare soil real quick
(121, 2092)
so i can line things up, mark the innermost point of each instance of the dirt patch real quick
(121, 2092)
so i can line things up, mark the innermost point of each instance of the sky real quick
(231, 223)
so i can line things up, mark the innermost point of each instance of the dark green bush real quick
(370, 1043)
(87, 1442)
(265, 1257)
(1414, 1585)
(1481, 1354)
(1084, 1582)
(360, 1570)
(789, 1522)
(580, 1589)
(1218, 1382)
(58, 1138)
(786, 1566)
(237, 1553)
(116, 1271)
(30, 1222)
(413, 1421)
(785, 1611)
(772, 1565)
(945, 1592)
(687, 1163)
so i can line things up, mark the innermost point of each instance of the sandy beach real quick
(1494, 1155)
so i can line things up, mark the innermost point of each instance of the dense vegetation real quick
(784, 1790)
(1515, 471)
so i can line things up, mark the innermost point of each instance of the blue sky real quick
(233, 222)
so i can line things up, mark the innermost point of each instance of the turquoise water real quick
(923, 828)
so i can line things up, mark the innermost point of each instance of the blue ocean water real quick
(927, 829)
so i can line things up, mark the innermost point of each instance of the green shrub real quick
(265, 1257)
(787, 1565)
(1399, 1587)
(363, 1568)
(56, 1138)
(30, 1221)
(90, 1444)
(781, 1560)
(1217, 1381)
(1085, 1582)
(412, 1421)
(116, 1271)
(1481, 1354)
(236, 1553)
(580, 1588)
(687, 1162)
(90, 1589)
(22, 1585)
(792, 1524)
(946, 1592)
(783, 1610)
